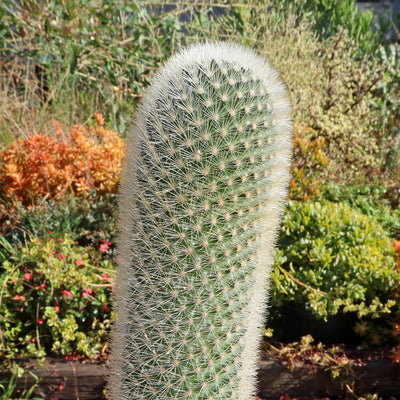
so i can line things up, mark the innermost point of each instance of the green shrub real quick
(338, 107)
(86, 220)
(386, 100)
(328, 17)
(333, 258)
(372, 199)
(55, 297)
(388, 90)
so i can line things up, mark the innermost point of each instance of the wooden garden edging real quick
(73, 380)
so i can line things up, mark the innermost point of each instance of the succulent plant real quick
(202, 193)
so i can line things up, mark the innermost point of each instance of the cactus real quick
(202, 194)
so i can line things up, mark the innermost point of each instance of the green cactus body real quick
(202, 194)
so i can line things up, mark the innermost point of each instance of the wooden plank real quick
(63, 380)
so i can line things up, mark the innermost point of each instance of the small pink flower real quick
(28, 276)
(67, 293)
(86, 292)
(61, 256)
(104, 247)
(53, 252)
(79, 262)
(42, 287)
(40, 321)
(105, 277)
(19, 297)
(60, 240)
(57, 308)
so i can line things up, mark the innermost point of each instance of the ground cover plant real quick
(67, 61)
(55, 297)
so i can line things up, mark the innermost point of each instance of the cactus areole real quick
(202, 193)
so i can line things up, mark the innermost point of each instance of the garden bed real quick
(72, 379)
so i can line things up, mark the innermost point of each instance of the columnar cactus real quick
(204, 181)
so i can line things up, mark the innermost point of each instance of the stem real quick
(291, 277)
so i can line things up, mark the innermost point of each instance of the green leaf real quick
(47, 26)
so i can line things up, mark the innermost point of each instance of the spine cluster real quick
(204, 181)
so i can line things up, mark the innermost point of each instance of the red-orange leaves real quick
(79, 161)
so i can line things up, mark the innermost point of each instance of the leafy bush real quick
(340, 111)
(82, 160)
(328, 17)
(372, 199)
(386, 100)
(55, 297)
(387, 92)
(87, 220)
(333, 258)
(307, 165)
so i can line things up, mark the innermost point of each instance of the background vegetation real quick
(71, 75)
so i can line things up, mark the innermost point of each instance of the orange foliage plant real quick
(80, 161)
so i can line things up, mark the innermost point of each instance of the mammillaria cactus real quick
(202, 194)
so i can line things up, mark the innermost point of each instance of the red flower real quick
(86, 292)
(67, 293)
(19, 297)
(106, 277)
(57, 308)
(28, 276)
(40, 321)
(61, 256)
(42, 287)
(79, 262)
(104, 247)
